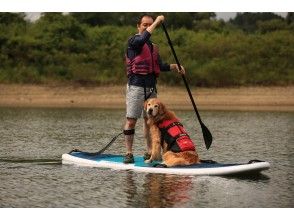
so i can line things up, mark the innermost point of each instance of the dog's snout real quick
(150, 110)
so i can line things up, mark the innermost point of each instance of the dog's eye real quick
(149, 104)
(156, 106)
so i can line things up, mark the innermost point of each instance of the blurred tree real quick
(93, 18)
(56, 27)
(187, 19)
(63, 47)
(106, 18)
(203, 15)
(248, 21)
(175, 19)
(290, 17)
(8, 18)
(271, 25)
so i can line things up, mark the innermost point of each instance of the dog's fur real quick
(157, 113)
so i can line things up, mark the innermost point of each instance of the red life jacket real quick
(144, 63)
(176, 137)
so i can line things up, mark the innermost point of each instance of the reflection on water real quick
(159, 190)
(33, 140)
(167, 190)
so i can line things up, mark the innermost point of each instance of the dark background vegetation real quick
(88, 48)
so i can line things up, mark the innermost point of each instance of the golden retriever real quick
(168, 134)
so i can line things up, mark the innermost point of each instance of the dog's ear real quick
(162, 108)
(145, 105)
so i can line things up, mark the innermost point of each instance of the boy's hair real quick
(144, 15)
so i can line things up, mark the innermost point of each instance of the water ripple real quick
(33, 140)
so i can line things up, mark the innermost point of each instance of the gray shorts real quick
(135, 98)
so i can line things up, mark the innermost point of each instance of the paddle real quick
(206, 133)
(100, 151)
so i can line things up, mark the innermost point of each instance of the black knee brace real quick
(129, 132)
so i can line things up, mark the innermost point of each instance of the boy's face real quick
(145, 23)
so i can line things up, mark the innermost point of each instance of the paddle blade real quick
(206, 136)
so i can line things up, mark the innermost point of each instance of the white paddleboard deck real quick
(116, 162)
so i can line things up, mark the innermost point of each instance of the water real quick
(33, 140)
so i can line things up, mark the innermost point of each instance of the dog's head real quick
(154, 108)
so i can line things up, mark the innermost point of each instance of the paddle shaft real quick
(206, 133)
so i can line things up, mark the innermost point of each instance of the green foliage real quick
(290, 17)
(72, 48)
(271, 25)
(7, 18)
(107, 18)
(174, 20)
(248, 21)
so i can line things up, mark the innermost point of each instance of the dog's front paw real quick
(148, 161)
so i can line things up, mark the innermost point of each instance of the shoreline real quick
(113, 97)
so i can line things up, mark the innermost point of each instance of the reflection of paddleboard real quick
(206, 168)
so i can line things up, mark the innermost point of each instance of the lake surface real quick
(32, 175)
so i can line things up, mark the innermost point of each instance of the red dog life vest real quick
(176, 137)
(144, 63)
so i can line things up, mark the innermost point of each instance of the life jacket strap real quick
(153, 89)
(176, 123)
(181, 135)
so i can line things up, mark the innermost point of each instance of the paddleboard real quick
(205, 168)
